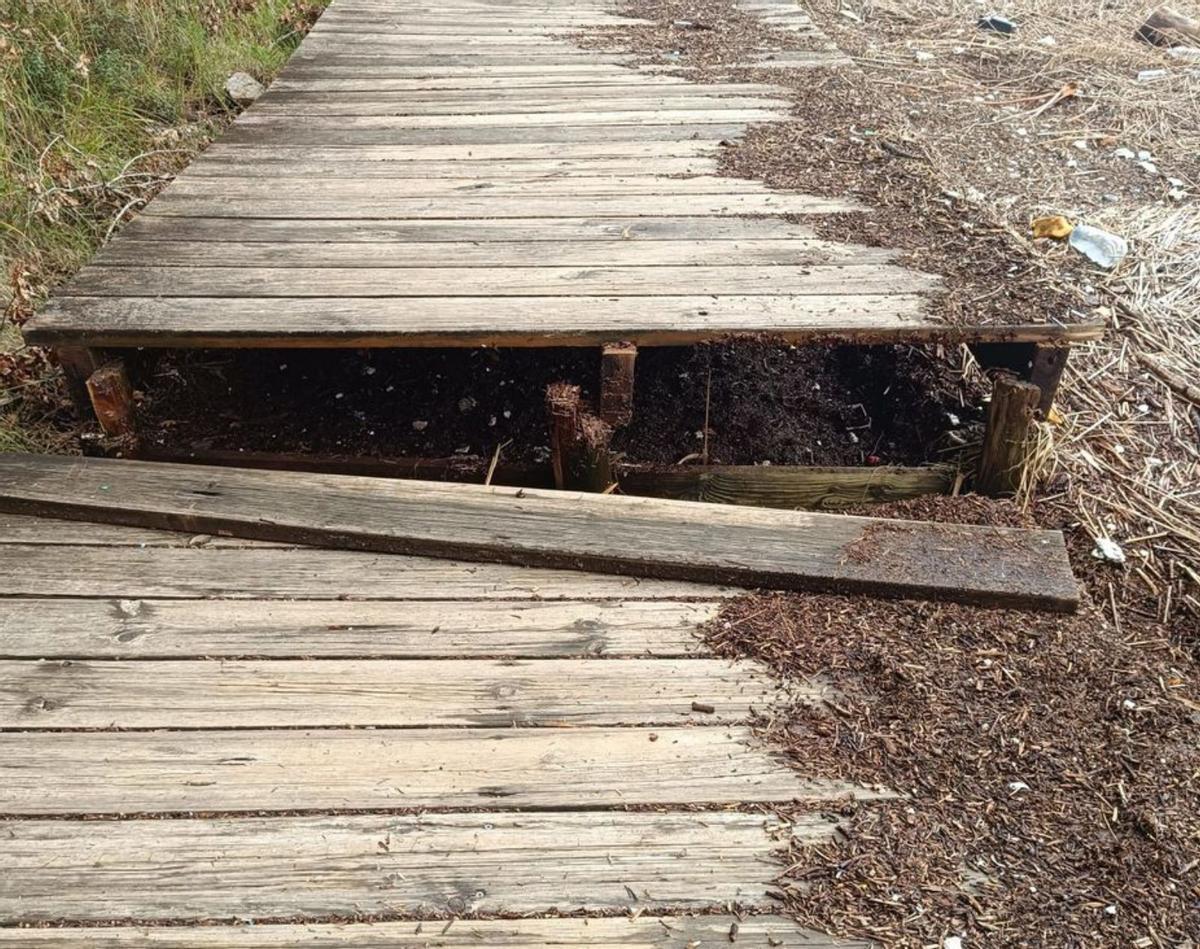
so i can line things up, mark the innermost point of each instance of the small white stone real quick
(1017, 786)
(1047, 41)
(1108, 550)
(420, 425)
(1081, 144)
(1127, 153)
(952, 942)
(923, 56)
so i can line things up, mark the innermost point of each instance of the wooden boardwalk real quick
(464, 173)
(337, 745)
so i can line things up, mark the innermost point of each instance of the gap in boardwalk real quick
(764, 402)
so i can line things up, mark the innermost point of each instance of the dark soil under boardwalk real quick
(765, 402)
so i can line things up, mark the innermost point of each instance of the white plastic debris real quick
(1047, 41)
(1111, 909)
(1188, 54)
(923, 56)
(1127, 153)
(1149, 167)
(420, 425)
(1101, 247)
(1151, 75)
(952, 942)
(1017, 786)
(1108, 550)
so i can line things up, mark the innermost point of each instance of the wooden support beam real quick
(1002, 461)
(78, 363)
(616, 383)
(1039, 363)
(784, 486)
(1045, 372)
(562, 410)
(111, 396)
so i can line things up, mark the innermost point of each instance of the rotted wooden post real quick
(1039, 363)
(1005, 440)
(616, 383)
(78, 364)
(112, 399)
(579, 442)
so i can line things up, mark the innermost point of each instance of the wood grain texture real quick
(644, 932)
(272, 868)
(447, 629)
(144, 773)
(390, 693)
(675, 540)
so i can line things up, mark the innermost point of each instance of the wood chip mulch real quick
(1049, 766)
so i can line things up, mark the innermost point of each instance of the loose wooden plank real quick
(214, 629)
(509, 123)
(634, 86)
(130, 252)
(821, 280)
(278, 868)
(508, 321)
(388, 693)
(133, 573)
(643, 537)
(644, 932)
(19, 529)
(141, 773)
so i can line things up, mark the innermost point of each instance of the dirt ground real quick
(762, 402)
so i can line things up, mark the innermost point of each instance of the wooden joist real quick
(630, 536)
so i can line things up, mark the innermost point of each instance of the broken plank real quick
(272, 868)
(676, 540)
(387, 693)
(143, 773)
(33, 628)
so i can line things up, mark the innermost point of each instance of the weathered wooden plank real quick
(478, 230)
(388, 693)
(406, 106)
(435, 80)
(821, 280)
(129, 252)
(507, 321)
(788, 487)
(413, 92)
(20, 529)
(638, 536)
(512, 169)
(132, 573)
(281, 186)
(214, 629)
(282, 136)
(510, 123)
(274, 868)
(169, 204)
(123, 773)
(644, 932)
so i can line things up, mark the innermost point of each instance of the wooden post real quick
(1002, 462)
(562, 407)
(1039, 363)
(78, 364)
(616, 383)
(112, 399)
(1045, 372)
(579, 452)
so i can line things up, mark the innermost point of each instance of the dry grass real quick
(1127, 459)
